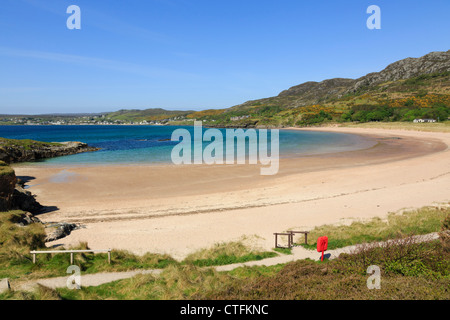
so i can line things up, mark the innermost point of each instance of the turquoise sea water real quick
(150, 145)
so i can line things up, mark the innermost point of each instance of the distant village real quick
(104, 120)
(85, 120)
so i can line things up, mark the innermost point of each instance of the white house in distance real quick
(423, 120)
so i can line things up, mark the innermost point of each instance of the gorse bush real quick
(403, 257)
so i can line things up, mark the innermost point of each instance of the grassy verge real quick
(5, 169)
(415, 222)
(26, 144)
(409, 271)
(283, 250)
(426, 127)
(419, 272)
(227, 253)
(176, 282)
(16, 262)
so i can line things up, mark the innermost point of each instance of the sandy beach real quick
(180, 209)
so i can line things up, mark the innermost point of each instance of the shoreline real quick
(179, 210)
(364, 142)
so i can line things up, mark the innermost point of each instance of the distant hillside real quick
(405, 90)
(156, 114)
(310, 93)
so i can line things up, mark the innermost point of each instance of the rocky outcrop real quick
(434, 62)
(60, 230)
(12, 193)
(325, 88)
(12, 153)
(25, 219)
(25, 200)
(13, 196)
(7, 184)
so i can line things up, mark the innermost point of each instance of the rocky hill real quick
(434, 62)
(310, 93)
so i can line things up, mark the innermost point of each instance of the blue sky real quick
(197, 54)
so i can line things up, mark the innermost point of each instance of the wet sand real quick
(179, 209)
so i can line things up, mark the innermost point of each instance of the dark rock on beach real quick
(25, 201)
(13, 196)
(25, 219)
(60, 230)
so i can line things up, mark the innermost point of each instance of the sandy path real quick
(177, 210)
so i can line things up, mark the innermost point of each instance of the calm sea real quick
(152, 145)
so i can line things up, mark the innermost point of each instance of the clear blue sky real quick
(198, 54)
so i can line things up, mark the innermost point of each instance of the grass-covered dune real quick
(408, 270)
(5, 169)
(8, 181)
(16, 242)
(413, 222)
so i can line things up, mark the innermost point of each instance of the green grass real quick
(409, 270)
(16, 262)
(26, 144)
(5, 169)
(56, 264)
(419, 272)
(41, 293)
(422, 221)
(425, 127)
(16, 242)
(227, 253)
(283, 250)
(231, 259)
(176, 282)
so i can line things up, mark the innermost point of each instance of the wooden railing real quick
(34, 253)
(290, 235)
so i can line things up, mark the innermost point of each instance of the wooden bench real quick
(34, 253)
